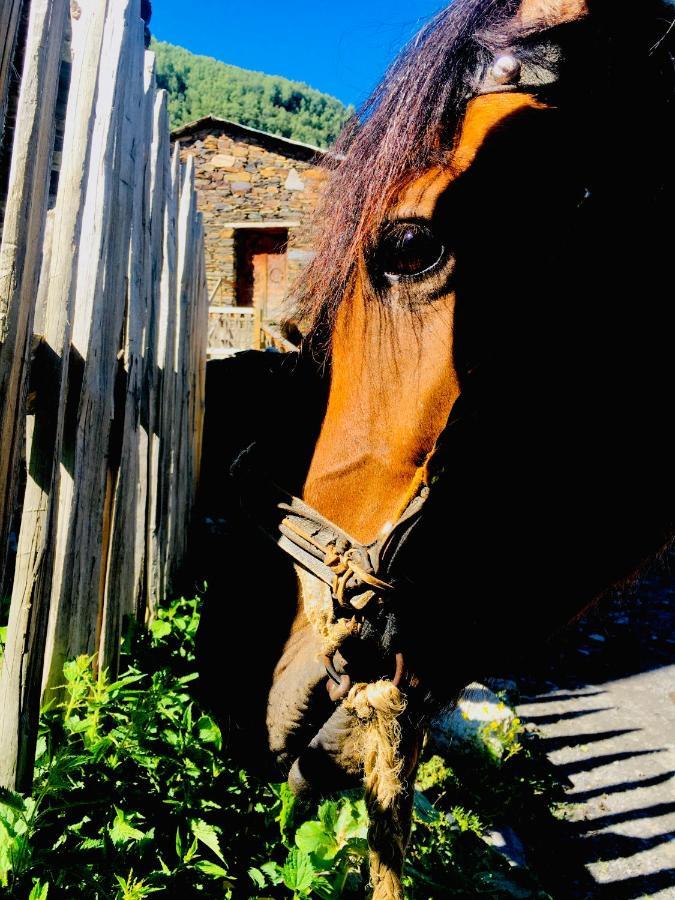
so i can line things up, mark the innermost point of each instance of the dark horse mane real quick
(411, 119)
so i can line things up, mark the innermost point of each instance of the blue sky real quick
(340, 47)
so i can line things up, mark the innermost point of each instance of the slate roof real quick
(235, 130)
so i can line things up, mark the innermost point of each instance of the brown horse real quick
(477, 422)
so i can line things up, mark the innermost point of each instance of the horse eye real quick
(408, 249)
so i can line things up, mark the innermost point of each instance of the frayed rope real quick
(377, 740)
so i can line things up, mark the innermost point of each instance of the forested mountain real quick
(200, 86)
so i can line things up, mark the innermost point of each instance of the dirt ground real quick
(602, 696)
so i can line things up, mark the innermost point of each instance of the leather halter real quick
(356, 573)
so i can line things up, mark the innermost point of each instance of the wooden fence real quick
(103, 336)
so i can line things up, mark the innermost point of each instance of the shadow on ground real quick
(602, 697)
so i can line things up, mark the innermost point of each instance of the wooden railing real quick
(236, 328)
(233, 328)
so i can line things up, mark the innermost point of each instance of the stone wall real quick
(246, 179)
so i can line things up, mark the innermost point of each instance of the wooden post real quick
(86, 491)
(157, 345)
(201, 349)
(24, 652)
(166, 356)
(22, 237)
(124, 579)
(181, 422)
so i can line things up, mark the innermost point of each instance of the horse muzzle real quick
(312, 729)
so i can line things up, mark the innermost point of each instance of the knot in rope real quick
(345, 567)
(377, 736)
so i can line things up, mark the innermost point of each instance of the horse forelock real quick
(411, 121)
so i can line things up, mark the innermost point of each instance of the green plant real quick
(135, 794)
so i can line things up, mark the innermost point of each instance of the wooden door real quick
(262, 271)
(269, 284)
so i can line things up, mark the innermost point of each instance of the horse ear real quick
(551, 12)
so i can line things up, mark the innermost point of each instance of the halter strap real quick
(356, 573)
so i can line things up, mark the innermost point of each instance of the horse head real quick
(488, 307)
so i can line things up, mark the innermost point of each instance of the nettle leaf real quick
(352, 822)
(6, 842)
(41, 754)
(92, 844)
(313, 838)
(288, 804)
(77, 827)
(208, 835)
(209, 732)
(13, 801)
(325, 890)
(273, 872)
(298, 873)
(39, 891)
(160, 629)
(190, 768)
(257, 877)
(192, 849)
(206, 867)
(425, 810)
(7, 828)
(122, 830)
(328, 815)
(99, 748)
(171, 737)
(187, 718)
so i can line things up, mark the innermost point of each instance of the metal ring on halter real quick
(338, 686)
(400, 670)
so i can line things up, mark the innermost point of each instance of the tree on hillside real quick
(200, 86)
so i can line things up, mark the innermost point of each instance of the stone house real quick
(257, 192)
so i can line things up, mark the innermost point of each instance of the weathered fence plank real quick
(201, 340)
(156, 343)
(84, 514)
(166, 356)
(21, 673)
(124, 581)
(186, 214)
(22, 235)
